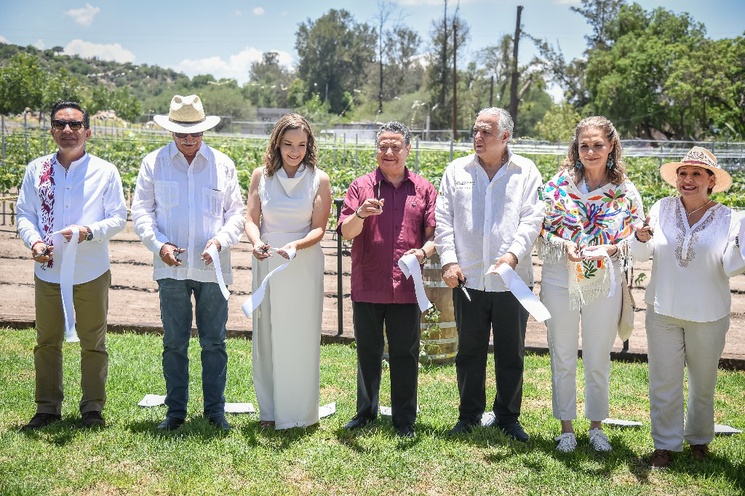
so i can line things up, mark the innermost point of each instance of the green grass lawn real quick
(129, 456)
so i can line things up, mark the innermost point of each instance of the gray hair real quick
(394, 127)
(504, 119)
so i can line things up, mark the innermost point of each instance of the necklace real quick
(688, 214)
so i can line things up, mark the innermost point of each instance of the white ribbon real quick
(257, 297)
(67, 277)
(409, 265)
(522, 292)
(741, 237)
(213, 252)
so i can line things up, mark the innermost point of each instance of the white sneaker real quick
(567, 442)
(599, 440)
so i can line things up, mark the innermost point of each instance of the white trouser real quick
(599, 328)
(672, 345)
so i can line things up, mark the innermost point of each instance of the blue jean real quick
(212, 317)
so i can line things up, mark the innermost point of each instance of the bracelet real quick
(424, 257)
(636, 235)
(357, 213)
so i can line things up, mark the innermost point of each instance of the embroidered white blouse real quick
(692, 264)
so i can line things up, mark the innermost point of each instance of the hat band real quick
(186, 123)
(698, 162)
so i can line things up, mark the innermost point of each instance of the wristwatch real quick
(89, 236)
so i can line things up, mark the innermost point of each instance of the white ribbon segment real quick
(67, 277)
(741, 236)
(409, 265)
(522, 292)
(257, 297)
(213, 252)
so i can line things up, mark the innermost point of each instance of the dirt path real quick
(134, 298)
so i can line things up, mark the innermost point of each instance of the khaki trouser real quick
(91, 302)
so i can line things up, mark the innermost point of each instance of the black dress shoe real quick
(406, 430)
(41, 420)
(93, 419)
(171, 424)
(219, 422)
(462, 427)
(515, 431)
(357, 422)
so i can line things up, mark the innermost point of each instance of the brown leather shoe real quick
(660, 459)
(699, 451)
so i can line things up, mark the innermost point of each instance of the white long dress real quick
(287, 324)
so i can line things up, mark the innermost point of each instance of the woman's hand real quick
(574, 253)
(261, 251)
(645, 232)
(592, 252)
(284, 251)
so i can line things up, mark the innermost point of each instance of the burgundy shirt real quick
(407, 211)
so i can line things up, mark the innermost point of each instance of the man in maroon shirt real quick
(389, 213)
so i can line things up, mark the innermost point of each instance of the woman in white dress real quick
(289, 202)
(693, 241)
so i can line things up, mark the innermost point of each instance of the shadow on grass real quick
(58, 433)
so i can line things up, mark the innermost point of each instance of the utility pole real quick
(455, 76)
(514, 98)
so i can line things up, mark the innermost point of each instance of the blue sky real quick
(223, 37)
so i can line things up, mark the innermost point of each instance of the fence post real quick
(339, 292)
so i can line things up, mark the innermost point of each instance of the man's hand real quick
(371, 206)
(41, 252)
(452, 275)
(82, 232)
(509, 258)
(206, 258)
(170, 253)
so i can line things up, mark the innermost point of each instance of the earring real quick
(578, 165)
(610, 163)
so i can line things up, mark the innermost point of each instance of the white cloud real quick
(86, 49)
(39, 45)
(258, 11)
(3, 39)
(236, 67)
(84, 16)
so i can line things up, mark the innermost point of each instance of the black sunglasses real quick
(60, 125)
(184, 135)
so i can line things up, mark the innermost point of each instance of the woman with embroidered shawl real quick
(694, 242)
(591, 209)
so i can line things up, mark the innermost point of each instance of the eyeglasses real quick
(59, 125)
(384, 148)
(184, 135)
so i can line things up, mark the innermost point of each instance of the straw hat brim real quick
(669, 172)
(209, 122)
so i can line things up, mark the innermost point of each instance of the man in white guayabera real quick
(70, 192)
(187, 205)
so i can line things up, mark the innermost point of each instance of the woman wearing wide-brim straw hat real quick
(694, 243)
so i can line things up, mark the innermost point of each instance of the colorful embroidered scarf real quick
(46, 197)
(604, 216)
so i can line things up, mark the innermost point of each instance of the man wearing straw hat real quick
(187, 205)
(64, 193)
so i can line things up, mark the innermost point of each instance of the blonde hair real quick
(273, 158)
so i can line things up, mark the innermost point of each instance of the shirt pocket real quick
(213, 202)
(167, 194)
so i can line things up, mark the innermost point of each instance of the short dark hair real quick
(74, 105)
(394, 127)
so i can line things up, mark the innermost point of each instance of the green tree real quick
(335, 53)
(440, 69)
(557, 125)
(269, 82)
(22, 84)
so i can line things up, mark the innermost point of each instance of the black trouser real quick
(475, 320)
(402, 329)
